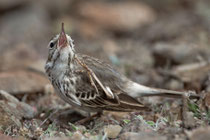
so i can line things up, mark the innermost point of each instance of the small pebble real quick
(112, 131)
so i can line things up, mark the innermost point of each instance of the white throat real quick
(63, 63)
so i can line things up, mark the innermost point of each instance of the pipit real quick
(92, 85)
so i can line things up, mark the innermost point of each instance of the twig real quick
(190, 67)
(88, 119)
(184, 110)
(48, 117)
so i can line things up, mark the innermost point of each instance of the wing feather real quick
(111, 81)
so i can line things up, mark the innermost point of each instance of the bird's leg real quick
(89, 118)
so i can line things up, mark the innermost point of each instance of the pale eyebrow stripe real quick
(54, 37)
(51, 39)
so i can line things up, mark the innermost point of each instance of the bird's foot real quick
(89, 118)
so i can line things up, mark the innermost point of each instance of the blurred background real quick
(137, 36)
(156, 43)
(140, 37)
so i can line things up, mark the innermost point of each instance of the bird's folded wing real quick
(108, 97)
(104, 72)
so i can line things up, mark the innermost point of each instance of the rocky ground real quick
(162, 44)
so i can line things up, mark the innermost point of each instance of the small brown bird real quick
(89, 84)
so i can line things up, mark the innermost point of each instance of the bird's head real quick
(61, 49)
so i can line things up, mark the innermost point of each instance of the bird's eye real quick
(52, 45)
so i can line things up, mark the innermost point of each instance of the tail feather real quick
(171, 93)
(137, 90)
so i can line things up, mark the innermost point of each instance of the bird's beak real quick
(62, 41)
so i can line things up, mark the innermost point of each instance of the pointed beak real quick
(62, 41)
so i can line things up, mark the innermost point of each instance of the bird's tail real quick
(171, 93)
(137, 90)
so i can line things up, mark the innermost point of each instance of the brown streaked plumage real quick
(90, 84)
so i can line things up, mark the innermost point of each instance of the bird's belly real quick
(64, 88)
(65, 98)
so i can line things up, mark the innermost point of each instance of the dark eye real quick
(52, 45)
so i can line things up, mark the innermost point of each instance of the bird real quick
(92, 85)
